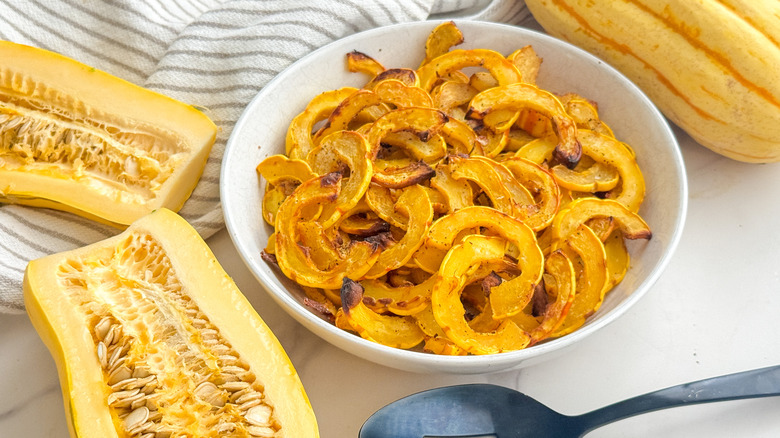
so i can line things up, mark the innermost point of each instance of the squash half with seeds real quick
(152, 339)
(78, 139)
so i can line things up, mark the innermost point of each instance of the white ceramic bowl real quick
(261, 130)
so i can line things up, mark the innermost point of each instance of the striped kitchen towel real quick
(215, 54)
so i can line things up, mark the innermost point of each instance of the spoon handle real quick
(763, 382)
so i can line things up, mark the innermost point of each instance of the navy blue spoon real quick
(477, 410)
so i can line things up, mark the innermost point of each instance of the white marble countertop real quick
(715, 310)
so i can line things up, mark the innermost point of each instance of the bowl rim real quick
(421, 361)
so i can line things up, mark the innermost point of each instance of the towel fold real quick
(210, 53)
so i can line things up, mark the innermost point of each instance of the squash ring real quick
(448, 309)
(293, 259)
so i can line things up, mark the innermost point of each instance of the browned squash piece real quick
(150, 335)
(77, 139)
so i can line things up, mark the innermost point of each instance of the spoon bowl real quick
(484, 410)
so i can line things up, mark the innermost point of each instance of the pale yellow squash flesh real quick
(183, 320)
(78, 139)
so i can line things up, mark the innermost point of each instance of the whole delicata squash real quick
(78, 139)
(709, 65)
(152, 339)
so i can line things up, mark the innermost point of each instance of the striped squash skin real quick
(711, 66)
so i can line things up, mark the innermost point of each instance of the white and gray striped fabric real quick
(216, 54)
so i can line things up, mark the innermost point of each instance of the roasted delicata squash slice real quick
(423, 122)
(591, 285)
(458, 192)
(415, 203)
(527, 62)
(461, 138)
(400, 300)
(560, 277)
(338, 151)
(405, 75)
(542, 186)
(151, 336)
(409, 173)
(499, 67)
(299, 142)
(360, 62)
(444, 232)
(580, 211)
(442, 38)
(295, 260)
(517, 96)
(597, 177)
(80, 140)
(607, 150)
(348, 110)
(382, 202)
(393, 331)
(585, 114)
(451, 95)
(283, 176)
(397, 93)
(506, 193)
(448, 309)
(278, 168)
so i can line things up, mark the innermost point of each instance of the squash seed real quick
(249, 397)
(102, 327)
(259, 415)
(235, 386)
(243, 407)
(136, 418)
(102, 354)
(260, 431)
(124, 385)
(119, 374)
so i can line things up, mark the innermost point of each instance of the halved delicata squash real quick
(81, 140)
(152, 339)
